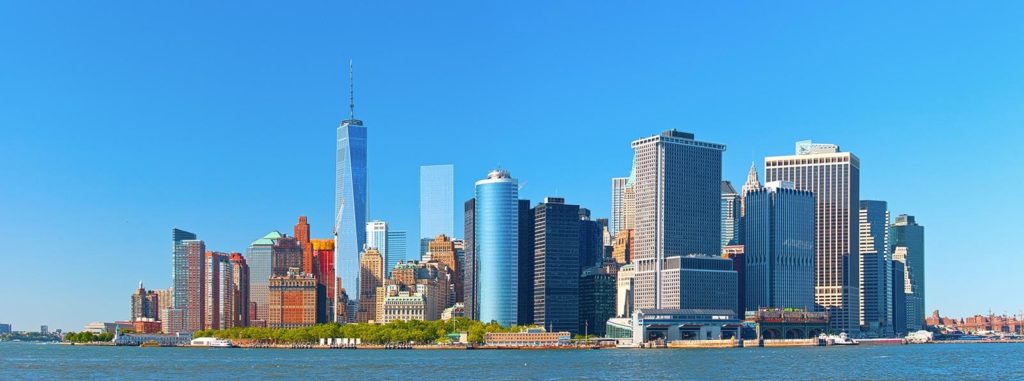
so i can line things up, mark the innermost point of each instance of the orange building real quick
(622, 248)
(442, 251)
(371, 276)
(292, 301)
(302, 235)
(323, 270)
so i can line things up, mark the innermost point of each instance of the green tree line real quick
(88, 337)
(415, 331)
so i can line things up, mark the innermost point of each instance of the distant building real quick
(240, 285)
(875, 274)
(302, 236)
(404, 306)
(909, 236)
(699, 282)
(899, 295)
(624, 291)
(371, 276)
(669, 325)
(286, 254)
(430, 281)
(730, 214)
(739, 264)
(146, 325)
(173, 320)
(323, 250)
(458, 310)
(437, 200)
(596, 300)
(533, 337)
(220, 291)
(618, 220)
(622, 248)
(292, 300)
(377, 238)
(44, 329)
(525, 263)
(496, 241)
(188, 280)
(779, 247)
(834, 178)
(752, 184)
(398, 248)
(350, 206)
(788, 323)
(5, 328)
(145, 304)
(259, 257)
(678, 192)
(471, 267)
(556, 265)
(442, 250)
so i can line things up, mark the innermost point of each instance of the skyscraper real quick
(259, 256)
(437, 200)
(240, 272)
(750, 185)
(398, 249)
(442, 251)
(779, 248)
(371, 276)
(286, 254)
(496, 241)
(145, 304)
(188, 280)
(908, 240)
(324, 249)
(678, 191)
(377, 238)
(618, 217)
(470, 288)
(834, 178)
(350, 195)
(596, 300)
(525, 263)
(556, 274)
(875, 271)
(591, 241)
(730, 214)
(219, 298)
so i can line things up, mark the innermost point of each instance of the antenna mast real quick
(351, 94)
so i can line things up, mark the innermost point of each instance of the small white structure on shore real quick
(920, 337)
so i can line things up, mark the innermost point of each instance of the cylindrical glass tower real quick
(497, 246)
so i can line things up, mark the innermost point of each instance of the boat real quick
(842, 339)
(211, 342)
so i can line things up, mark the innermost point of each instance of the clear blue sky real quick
(123, 120)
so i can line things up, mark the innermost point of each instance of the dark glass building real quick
(525, 310)
(597, 301)
(556, 265)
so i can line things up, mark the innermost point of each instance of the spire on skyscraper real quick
(752, 182)
(351, 94)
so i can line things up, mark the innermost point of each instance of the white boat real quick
(842, 339)
(211, 342)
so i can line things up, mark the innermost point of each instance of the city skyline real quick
(141, 201)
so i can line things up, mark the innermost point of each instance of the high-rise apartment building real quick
(730, 214)
(437, 200)
(302, 235)
(220, 291)
(145, 304)
(371, 276)
(834, 178)
(259, 257)
(556, 265)
(240, 282)
(188, 255)
(677, 191)
(779, 248)
(908, 240)
(496, 241)
(350, 195)
(875, 271)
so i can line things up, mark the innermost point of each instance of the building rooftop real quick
(269, 238)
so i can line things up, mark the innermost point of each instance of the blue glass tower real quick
(496, 240)
(437, 200)
(350, 197)
(779, 251)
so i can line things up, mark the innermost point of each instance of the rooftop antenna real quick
(351, 94)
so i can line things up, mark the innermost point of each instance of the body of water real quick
(927, 362)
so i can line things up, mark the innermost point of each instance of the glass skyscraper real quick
(677, 190)
(398, 247)
(730, 214)
(496, 241)
(779, 248)
(908, 242)
(834, 177)
(437, 200)
(259, 257)
(377, 238)
(875, 271)
(556, 252)
(188, 261)
(350, 199)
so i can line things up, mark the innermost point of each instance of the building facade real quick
(240, 282)
(834, 178)
(145, 304)
(779, 248)
(259, 257)
(730, 214)
(739, 264)
(496, 241)
(302, 235)
(350, 195)
(624, 291)
(677, 195)
(371, 276)
(323, 250)
(618, 217)
(188, 255)
(470, 288)
(377, 238)
(292, 300)
(525, 263)
(596, 301)
(699, 281)
(875, 271)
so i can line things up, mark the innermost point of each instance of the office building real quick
(496, 241)
(699, 281)
(834, 178)
(752, 184)
(556, 265)
(377, 238)
(678, 191)
(188, 282)
(286, 254)
(292, 300)
(730, 214)
(739, 264)
(875, 281)
(323, 250)
(596, 300)
(397, 246)
(350, 194)
(779, 247)
(525, 263)
(259, 257)
(371, 276)
(624, 291)
(899, 294)
(622, 248)
(591, 240)
(240, 283)
(437, 200)
(908, 239)
(302, 236)
(618, 219)
(442, 251)
(470, 288)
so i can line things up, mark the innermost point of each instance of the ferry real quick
(841, 339)
(211, 342)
